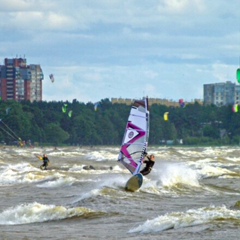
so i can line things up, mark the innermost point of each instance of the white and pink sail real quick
(135, 139)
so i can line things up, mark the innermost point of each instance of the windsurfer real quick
(149, 164)
(45, 162)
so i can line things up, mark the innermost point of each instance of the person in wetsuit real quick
(149, 164)
(45, 162)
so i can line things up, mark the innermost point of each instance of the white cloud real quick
(18, 5)
(223, 72)
(114, 48)
(181, 6)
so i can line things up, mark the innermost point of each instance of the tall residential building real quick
(221, 94)
(19, 81)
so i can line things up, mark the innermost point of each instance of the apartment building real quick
(221, 94)
(19, 81)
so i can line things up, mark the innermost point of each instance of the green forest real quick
(45, 123)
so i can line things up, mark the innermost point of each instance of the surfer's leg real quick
(45, 166)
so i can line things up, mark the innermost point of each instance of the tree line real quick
(44, 123)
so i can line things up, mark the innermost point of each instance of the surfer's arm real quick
(146, 159)
(145, 156)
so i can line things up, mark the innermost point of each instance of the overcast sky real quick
(100, 49)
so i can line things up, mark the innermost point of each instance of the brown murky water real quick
(192, 193)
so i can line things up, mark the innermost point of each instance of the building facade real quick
(19, 81)
(221, 94)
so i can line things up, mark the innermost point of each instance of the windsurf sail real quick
(135, 140)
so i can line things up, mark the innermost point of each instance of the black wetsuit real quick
(45, 162)
(148, 167)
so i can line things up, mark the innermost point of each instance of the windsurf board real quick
(134, 183)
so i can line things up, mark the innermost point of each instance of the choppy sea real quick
(192, 193)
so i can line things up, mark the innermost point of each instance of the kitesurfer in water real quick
(45, 162)
(149, 164)
(90, 167)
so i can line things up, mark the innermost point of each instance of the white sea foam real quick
(210, 167)
(19, 173)
(63, 181)
(102, 155)
(26, 173)
(36, 212)
(186, 219)
(92, 193)
(170, 174)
